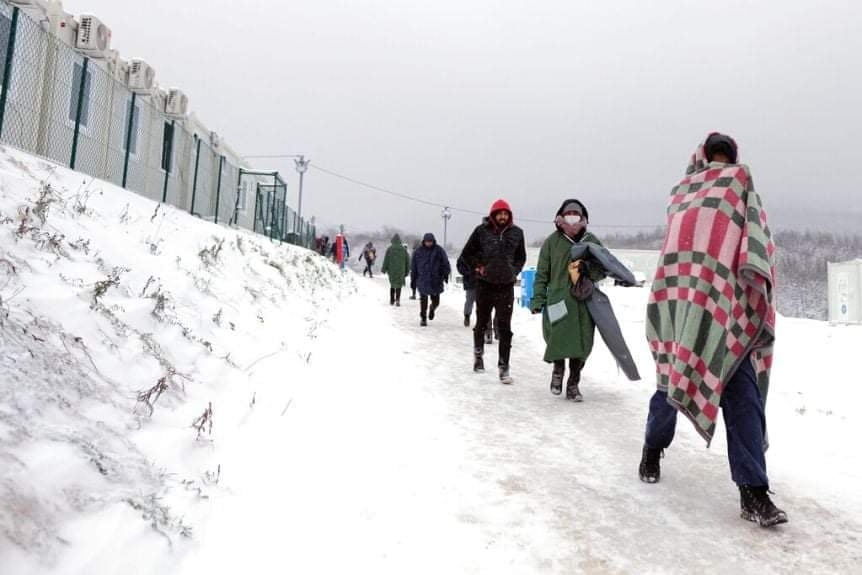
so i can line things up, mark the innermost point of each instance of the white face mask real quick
(571, 219)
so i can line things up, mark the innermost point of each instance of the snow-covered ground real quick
(345, 437)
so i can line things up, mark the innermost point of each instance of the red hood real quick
(499, 206)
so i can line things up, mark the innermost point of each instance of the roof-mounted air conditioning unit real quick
(177, 103)
(94, 38)
(142, 77)
(62, 25)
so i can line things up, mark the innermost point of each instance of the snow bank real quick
(122, 322)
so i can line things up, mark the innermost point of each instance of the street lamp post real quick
(447, 215)
(301, 167)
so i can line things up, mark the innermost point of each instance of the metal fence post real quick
(218, 186)
(129, 129)
(257, 215)
(235, 219)
(78, 113)
(272, 213)
(283, 213)
(7, 66)
(169, 161)
(195, 179)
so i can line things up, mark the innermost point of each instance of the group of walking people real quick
(710, 315)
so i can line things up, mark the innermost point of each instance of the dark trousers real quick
(469, 300)
(394, 295)
(744, 418)
(367, 269)
(500, 300)
(423, 304)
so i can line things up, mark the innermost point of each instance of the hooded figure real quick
(369, 254)
(429, 270)
(496, 253)
(567, 326)
(396, 264)
(711, 321)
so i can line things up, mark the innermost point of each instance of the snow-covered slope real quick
(123, 321)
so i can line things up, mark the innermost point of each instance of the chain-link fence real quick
(58, 103)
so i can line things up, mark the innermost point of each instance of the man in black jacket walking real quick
(496, 252)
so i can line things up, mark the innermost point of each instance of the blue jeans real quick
(744, 418)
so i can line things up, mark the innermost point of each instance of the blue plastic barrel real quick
(528, 276)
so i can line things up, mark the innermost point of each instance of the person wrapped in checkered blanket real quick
(711, 321)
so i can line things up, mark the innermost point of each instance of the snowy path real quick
(394, 457)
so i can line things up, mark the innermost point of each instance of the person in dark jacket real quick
(567, 327)
(496, 252)
(396, 264)
(369, 254)
(429, 270)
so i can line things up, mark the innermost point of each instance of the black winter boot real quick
(478, 362)
(573, 390)
(650, 467)
(557, 377)
(504, 375)
(466, 320)
(758, 507)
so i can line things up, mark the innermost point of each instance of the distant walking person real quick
(341, 256)
(369, 254)
(396, 264)
(496, 252)
(429, 270)
(416, 246)
(711, 321)
(567, 325)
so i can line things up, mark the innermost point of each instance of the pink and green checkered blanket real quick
(712, 303)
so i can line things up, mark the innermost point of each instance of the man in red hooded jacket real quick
(496, 252)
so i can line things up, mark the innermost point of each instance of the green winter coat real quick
(571, 336)
(396, 263)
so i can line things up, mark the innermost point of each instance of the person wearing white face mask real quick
(567, 325)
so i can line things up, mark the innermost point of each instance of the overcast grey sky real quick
(465, 101)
